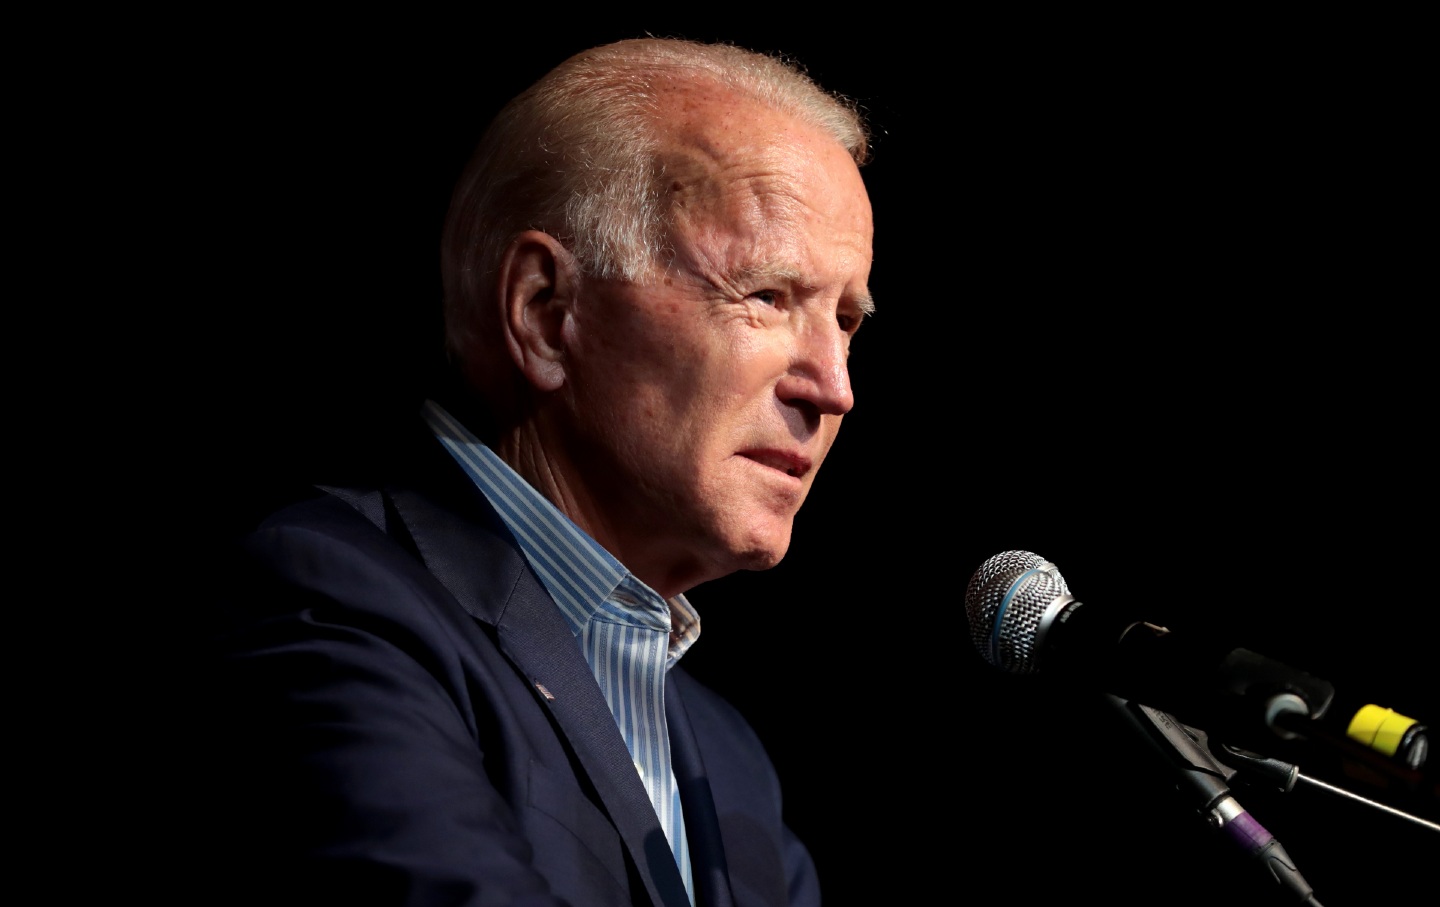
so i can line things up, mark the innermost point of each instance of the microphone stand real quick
(1283, 776)
(1201, 774)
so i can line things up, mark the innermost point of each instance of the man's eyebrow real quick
(864, 302)
(772, 272)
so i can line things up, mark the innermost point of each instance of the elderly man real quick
(460, 685)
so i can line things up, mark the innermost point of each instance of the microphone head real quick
(1010, 603)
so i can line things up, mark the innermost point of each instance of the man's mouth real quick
(788, 463)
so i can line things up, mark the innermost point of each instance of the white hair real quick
(576, 155)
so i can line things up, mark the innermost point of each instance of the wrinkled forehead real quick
(716, 143)
(748, 188)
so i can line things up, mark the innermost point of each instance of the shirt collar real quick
(585, 580)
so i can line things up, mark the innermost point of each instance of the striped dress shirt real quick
(629, 634)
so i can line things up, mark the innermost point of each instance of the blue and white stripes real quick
(623, 626)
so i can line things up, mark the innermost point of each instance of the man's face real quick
(704, 398)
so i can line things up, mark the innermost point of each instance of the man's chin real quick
(731, 544)
(764, 550)
(758, 563)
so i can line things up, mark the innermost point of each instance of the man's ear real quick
(538, 281)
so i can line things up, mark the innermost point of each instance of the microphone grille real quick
(1006, 601)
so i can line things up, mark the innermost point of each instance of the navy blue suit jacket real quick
(405, 718)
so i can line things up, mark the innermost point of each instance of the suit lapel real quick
(537, 639)
(504, 593)
(702, 824)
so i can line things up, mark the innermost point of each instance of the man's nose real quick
(819, 375)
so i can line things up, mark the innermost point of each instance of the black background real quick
(1150, 303)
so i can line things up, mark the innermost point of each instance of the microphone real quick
(1024, 620)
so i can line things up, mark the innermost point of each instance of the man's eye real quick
(768, 297)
